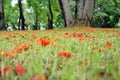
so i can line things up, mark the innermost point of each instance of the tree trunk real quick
(21, 18)
(66, 12)
(79, 8)
(2, 27)
(84, 11)
(36, 22)
(50, 17)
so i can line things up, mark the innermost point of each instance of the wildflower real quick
(108, 43)
(10, 54)
(20, 69)
(64, 54)
(2, 53)
(44, 42)
(39, 77)
(38, 41)
(6, 70)
(81, 38)
(66, 35)
(18, 50)
(25, 47)
(77, 34)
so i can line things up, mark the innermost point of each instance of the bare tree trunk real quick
(84, 11)
(2, 27)
(21, 18)
(50, 17)
(79, 8)
(66, 12)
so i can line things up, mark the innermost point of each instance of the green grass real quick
(91, 58)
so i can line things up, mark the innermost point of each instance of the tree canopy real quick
(55, 13)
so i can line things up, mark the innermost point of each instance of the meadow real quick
(66, 54)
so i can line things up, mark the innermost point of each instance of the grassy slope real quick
(94, 54)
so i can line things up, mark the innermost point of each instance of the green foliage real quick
(108, 14)
(118, 25)
(59, 23)
(11, 14)
(41, 7)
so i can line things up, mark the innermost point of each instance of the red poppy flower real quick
(6, 70)
(43, 42)
(66, 35)
(108, 43)
(18, 50)
(81, 38)
(20, 69)
(64, 54)
(38, 41)
(77, 34)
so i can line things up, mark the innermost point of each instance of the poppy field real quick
(66, 54)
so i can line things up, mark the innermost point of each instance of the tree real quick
(21, 17)
(36, 16)
(50, 16)
(66, 12)
(1, 15)
(40, 12)
(84, 11)
(35, 6)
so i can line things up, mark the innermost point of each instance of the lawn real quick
(66, 54)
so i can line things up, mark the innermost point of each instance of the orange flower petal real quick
(39, 77)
